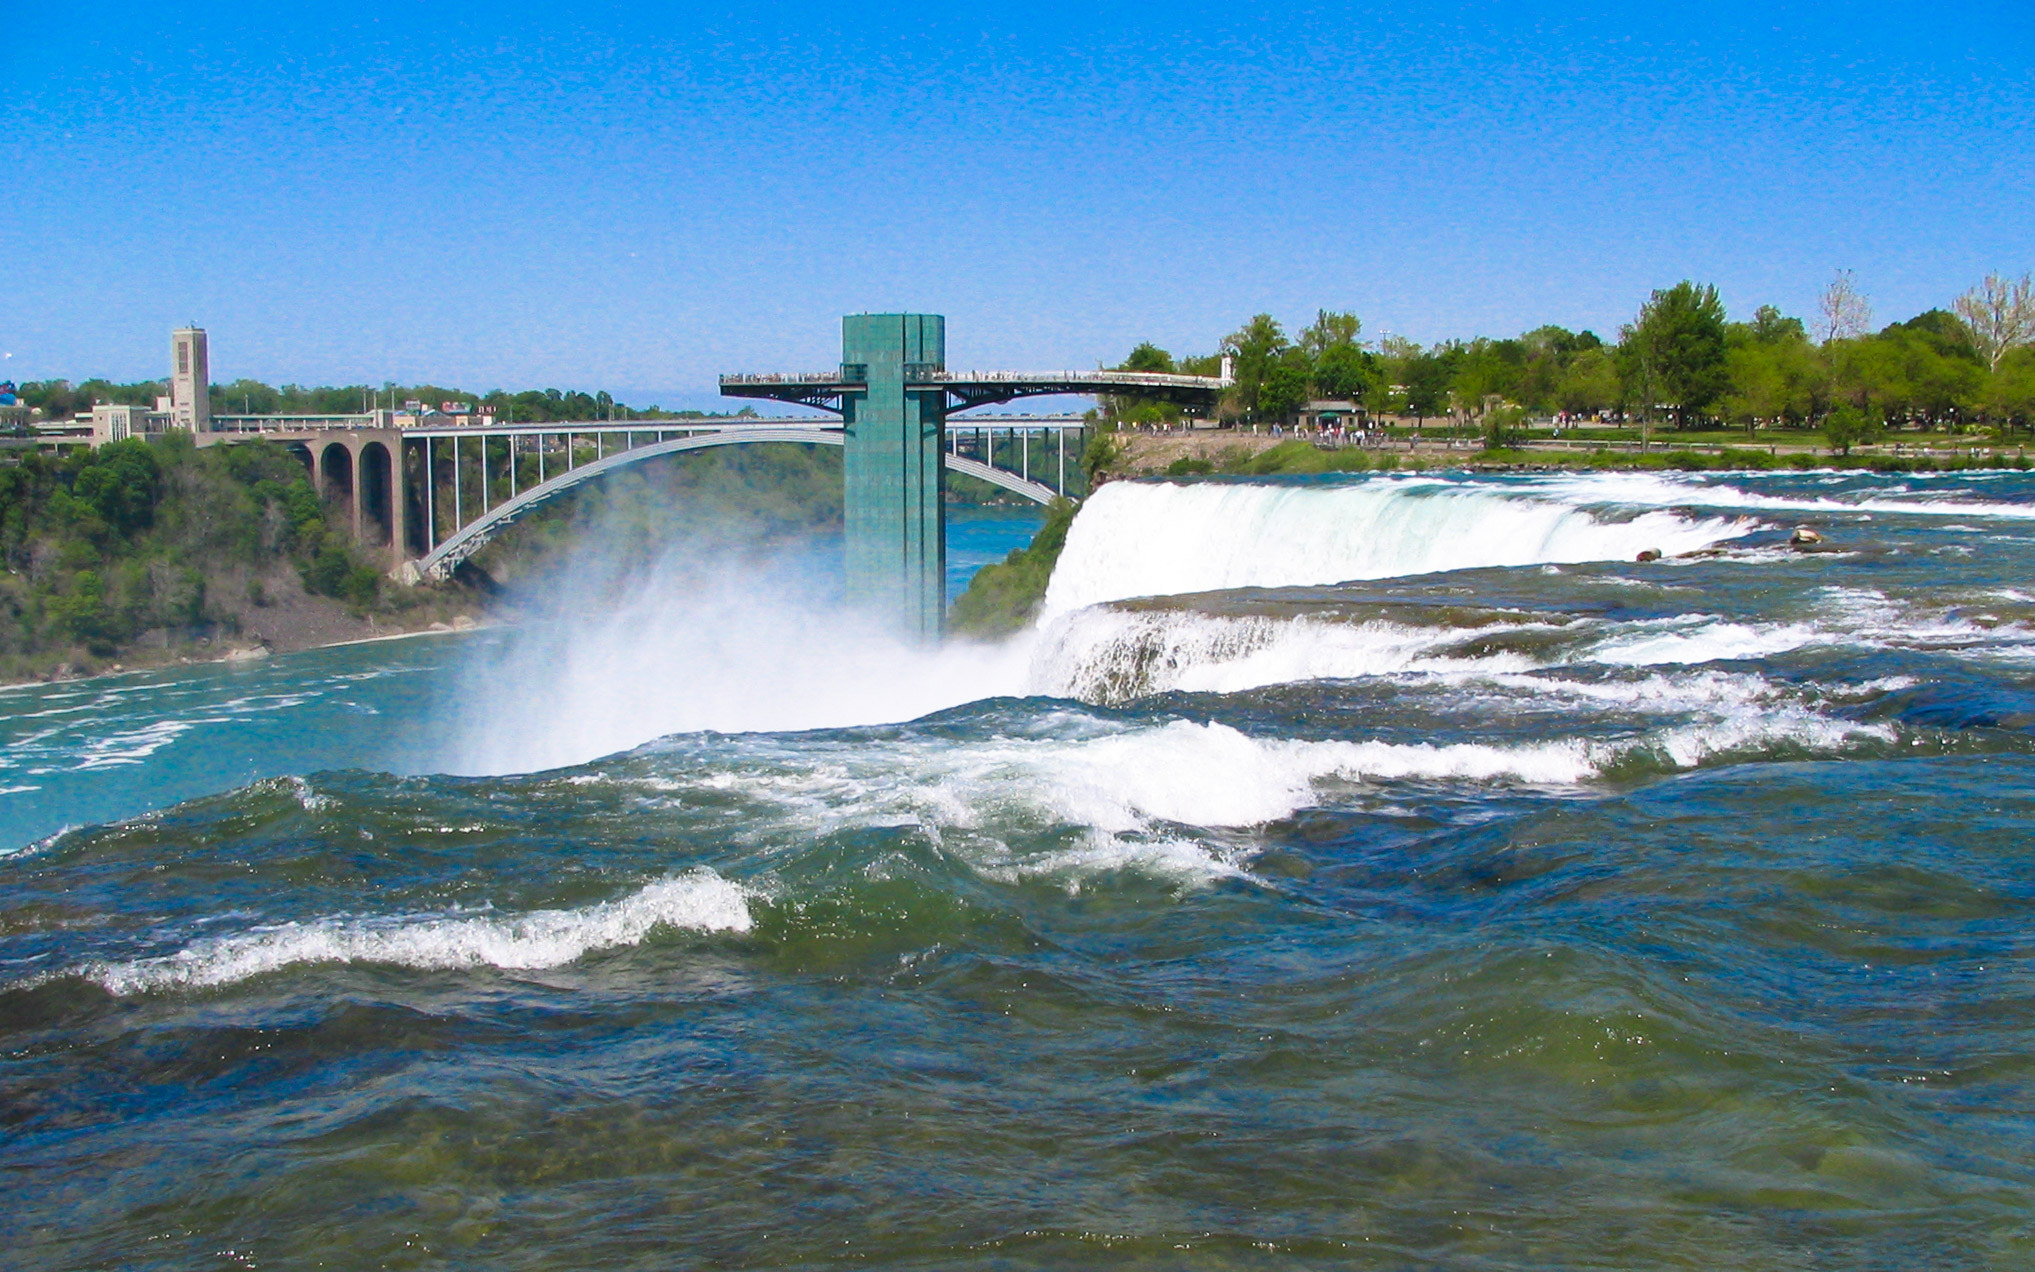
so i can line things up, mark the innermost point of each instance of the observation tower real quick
(893, 393)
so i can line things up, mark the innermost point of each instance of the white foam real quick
(1159, 538)
(1658, 490)
(1103, 654)
(702, 901)
(680, 651)
(134, 745)
(1686, 641)
(1170, 858)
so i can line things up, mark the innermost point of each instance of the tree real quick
(2010, 394)
(120, 482)
(1255, 346)
(1773, 372)
(1674, 351)
(1847, 427)
(1345, 372)
(1867, 371)
(1427, 377)
(1759, 390)
(1845, 310)
(1487, 369)
(1589, 383)
(1331, 331)
(1284, 389)
(2000, 315)
(1770, 326)
(1147, 357)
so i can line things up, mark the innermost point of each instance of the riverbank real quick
(1189, 453)
(323, 632)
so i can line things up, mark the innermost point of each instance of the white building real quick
(112, 423)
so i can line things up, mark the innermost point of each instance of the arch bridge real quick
(432, 496)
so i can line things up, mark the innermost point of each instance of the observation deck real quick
(827, 390)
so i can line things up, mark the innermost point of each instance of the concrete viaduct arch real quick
(476, 534)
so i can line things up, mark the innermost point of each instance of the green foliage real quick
(2010, 395)
(1283, 390)
(138, 536)
(1102, 454)
(1188, 466)
(1256, 346)
(1848, 426)
(119, 484)
(1297, 456)
(1003, 597)
(1674, 352)
(735, 499)
(1503, 427)
(1147, 357)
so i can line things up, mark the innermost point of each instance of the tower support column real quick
(893, 502)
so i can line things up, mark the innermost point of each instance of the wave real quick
(1141, 781)
(1136, 539)
(701, 901)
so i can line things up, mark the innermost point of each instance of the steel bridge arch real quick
(476, 534)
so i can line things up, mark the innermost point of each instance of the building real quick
(190, 380)
(112, 423)
(1325, 415)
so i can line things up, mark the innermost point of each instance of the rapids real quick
(1345, 872)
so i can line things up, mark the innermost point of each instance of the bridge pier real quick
(893, 506)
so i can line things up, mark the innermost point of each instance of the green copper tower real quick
(893, 393)
(896, 530)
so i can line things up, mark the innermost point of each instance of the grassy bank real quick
(1003, 597)
(1182, 455)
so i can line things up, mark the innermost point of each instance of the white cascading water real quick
(716, 637)
(1164, 539)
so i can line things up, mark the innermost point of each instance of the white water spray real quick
(711, 638)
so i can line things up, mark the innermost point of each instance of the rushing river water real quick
(1371, 872)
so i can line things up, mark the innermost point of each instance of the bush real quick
(1503, 428)
(325, 574)
(1187, 466)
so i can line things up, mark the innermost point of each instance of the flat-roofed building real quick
(111, 423)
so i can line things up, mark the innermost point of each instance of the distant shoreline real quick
(243, 654)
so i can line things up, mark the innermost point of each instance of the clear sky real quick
(640, 196)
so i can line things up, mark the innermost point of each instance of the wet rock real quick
(1804, 537)
(1651, 554)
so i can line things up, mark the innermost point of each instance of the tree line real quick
(61, 399)
(1681, 361)
(102, 547)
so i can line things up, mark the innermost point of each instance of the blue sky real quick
(637, 197)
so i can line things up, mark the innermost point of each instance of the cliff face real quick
(150, 552)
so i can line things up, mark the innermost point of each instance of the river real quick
(1374, 872)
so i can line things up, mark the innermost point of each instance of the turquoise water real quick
(1349, 873)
